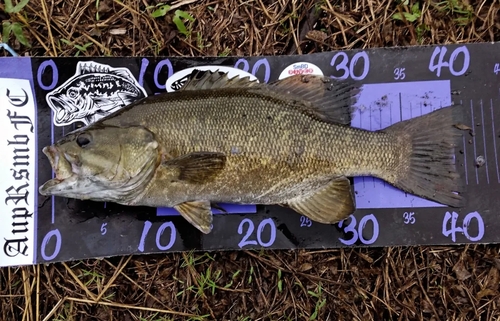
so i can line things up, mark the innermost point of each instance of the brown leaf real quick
(461, 272)
(305, 267)
(485, 292)
(463, 127)
(493, 279)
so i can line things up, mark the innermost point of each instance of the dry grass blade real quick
(131, 307)
(54, 309)
(77, 280)
(118, 271)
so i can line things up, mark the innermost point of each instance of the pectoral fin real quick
(198, 213)
(198, 167)
(329, 205)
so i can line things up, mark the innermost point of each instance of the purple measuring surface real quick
(229, 208)
(381, 105)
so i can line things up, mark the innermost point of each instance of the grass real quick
(414, 283)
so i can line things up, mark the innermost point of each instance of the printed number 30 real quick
(357, 234)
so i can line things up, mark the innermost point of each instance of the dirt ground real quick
(408, 283)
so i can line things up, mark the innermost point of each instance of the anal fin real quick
(331, 204)
(198, 213)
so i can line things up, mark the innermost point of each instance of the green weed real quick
(193, 260)
(409, 16)
(320, 303)
(235, 275)
(94, 277)
(179, 16)
(456, 7)
(15, 28)
(80, 49)
(280, 281)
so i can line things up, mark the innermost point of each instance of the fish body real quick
(239, 141)
(95, 91)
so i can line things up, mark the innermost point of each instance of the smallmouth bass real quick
(240, 141)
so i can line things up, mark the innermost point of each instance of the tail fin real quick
(429, 170)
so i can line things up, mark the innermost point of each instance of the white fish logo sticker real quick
(96, 90)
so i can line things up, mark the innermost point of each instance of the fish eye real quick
(83, 140)
(72, 93)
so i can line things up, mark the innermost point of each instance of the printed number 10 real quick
(159, 233)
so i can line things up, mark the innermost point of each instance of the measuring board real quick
(42, 99)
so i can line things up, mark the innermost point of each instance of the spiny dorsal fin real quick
(331, 204)
(207, 79)
(322, 97)
(92, 68)
(319, 96)
(198, 167)
(198, 213)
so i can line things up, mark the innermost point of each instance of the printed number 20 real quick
(358, 233)
(260, 230)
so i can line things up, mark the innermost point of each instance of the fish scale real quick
(236, 141)
(268, 132)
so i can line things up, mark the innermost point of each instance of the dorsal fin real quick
(318, 96)
(93, 67)
(207, 79)
(321, 97)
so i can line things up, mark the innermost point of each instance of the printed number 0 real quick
(349, 69)
(245, 241)
(41, 72)
(358, 233)
(54, 233)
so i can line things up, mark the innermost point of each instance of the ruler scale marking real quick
(484, 141)
(474, 141)
(494, 139)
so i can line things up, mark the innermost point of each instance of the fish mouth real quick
(63, 168)
(63, 110)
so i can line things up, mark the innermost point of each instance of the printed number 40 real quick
(454, 229)
(436, 66)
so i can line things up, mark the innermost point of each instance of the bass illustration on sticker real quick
(177, 80)
(93, 92)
